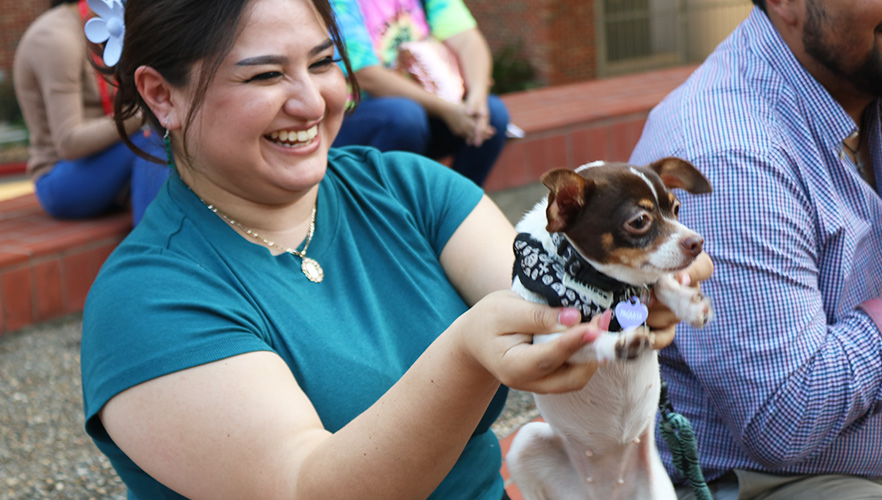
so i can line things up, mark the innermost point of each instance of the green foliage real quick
(9, 110)
(512, 72)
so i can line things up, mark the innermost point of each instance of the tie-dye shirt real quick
(373, 29)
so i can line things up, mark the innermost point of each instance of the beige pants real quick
(750, 485)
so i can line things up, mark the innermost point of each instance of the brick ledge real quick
(48, 265)
(569, 125)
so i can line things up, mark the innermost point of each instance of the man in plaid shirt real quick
(784, 387)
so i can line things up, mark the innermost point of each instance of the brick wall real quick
(17, 15)
(555, 36)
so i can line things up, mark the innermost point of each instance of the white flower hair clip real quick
(109, 26)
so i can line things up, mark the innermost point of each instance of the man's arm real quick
(787, 376)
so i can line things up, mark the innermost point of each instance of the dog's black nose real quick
(692, 245)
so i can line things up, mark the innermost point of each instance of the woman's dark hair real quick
(761, 4)
(171, 36)
(56, 3)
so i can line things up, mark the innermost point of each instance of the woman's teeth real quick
(294, 138)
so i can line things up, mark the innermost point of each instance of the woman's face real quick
(272, 110)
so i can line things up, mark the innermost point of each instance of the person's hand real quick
(661, 320)
(496, 334)
(476, 107)
(457, 118)
(463, 123)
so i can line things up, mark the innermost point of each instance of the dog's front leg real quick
(609, 346)
(687, 303)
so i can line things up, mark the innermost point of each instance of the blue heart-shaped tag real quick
(631, 312)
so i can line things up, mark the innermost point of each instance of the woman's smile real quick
(293, 138)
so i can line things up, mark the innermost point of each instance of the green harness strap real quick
(677, 432)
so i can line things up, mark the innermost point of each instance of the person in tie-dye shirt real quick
(396, 113)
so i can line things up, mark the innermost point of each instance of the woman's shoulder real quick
(60, 24)
(363, 163)
(431, 195)
(56, 37)
(409, 177)
(146, 259)
(371, 155)
(167, 245)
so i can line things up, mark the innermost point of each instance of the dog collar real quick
(576, 266)
(567, 279)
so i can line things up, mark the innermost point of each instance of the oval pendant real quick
(312, 270)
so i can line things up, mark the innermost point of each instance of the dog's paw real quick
(615, 346)
(633, 342)
(687, 303)
(693, 307)
(699, 311)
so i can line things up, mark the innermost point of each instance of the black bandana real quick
(566, 279)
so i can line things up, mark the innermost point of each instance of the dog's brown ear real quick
(566, 197)
(677, 173)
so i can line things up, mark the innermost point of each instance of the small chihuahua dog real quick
(606, 233)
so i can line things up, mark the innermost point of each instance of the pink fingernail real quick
(605, 319)
(569, 316)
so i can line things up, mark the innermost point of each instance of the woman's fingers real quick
(545, 367)
(500, 329)
(570, 377)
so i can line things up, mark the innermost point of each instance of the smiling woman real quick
(286, 311)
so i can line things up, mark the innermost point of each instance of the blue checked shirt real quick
(788, 376)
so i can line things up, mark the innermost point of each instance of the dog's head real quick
(623, 218)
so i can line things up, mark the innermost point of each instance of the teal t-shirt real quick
(184, 289)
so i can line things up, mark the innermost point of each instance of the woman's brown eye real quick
(639, 224)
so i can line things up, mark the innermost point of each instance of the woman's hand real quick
(469, 123)
(661, 320)
(476, 107)
(497, 334)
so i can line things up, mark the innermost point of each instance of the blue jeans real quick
(95, 184)
(400, 124)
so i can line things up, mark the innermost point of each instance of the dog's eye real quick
(676, 208)
(639, 224)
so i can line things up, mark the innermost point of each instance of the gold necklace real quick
(310, 267)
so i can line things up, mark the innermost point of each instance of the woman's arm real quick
(243, 428)
(478, 258)
(475, 61)
(476, 65)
